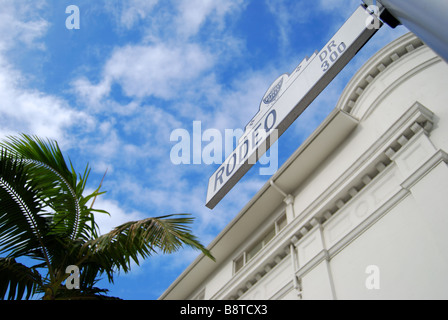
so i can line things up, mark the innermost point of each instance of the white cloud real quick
(168, 61)
(23, 109)
(136, 10)
(194, 13)
(90, 94)
(157, 70)
(287, 13)
(19, 23)
(32, 112)
(117, 217)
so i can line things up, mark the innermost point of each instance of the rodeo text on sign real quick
(287, 98)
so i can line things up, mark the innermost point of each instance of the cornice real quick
(376, 66)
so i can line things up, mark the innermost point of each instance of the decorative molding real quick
(373, 168)
(367, 166)
(438, 157)
(374, 67)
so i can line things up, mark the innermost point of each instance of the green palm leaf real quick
(143, 238)
(57, 183)
(22, 224)
(17, 278)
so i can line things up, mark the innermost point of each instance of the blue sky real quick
(112, 92)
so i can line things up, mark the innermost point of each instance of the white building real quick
(360, 210)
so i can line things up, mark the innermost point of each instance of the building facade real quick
(360, 210)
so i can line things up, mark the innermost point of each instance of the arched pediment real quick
(369, 86)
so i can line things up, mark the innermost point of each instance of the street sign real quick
(288, 97)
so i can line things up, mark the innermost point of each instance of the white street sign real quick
(288, 97)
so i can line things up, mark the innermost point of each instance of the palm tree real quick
(45, 216)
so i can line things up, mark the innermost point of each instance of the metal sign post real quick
(288, 97)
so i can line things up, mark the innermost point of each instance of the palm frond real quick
(16, 278)
(56, 183)
(167, 234)
(22, 225)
